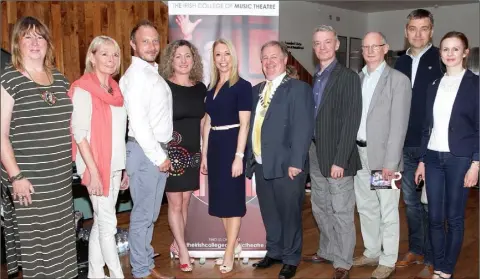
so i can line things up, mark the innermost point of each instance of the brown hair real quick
(462, 38)
(26, 25)
(166, 69)
(141, 23)
(292, 71)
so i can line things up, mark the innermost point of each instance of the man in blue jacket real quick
(421, 64)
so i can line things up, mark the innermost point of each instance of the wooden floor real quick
(467, 266)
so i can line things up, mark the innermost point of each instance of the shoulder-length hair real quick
(166, 60)
(93, 48)
(234, 77)
(24, 26)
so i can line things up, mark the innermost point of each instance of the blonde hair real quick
(24, 26)
(93, 48)
(234, 77)
(166, 60)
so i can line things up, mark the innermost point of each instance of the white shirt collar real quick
(378, 70)
(139, 61)
(409, 52)
(276, 81)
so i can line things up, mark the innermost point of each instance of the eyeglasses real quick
(373, 47)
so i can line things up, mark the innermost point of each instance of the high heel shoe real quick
(237, 252)
(186, 267)
(174, 254)
(226, 269)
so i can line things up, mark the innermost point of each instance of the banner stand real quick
(248, 25)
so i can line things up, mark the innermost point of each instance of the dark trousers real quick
(281, 202)
(417, 216)
(447, 198)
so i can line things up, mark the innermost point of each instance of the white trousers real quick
(102, 247)
(379, 218)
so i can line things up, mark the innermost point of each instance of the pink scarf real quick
(101, 125)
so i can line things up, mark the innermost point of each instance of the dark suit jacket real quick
(286, 131)
(464, 121)
(337, 122)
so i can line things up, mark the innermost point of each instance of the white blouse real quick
(81, 127)
(442, 110)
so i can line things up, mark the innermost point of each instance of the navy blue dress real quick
(226, 194)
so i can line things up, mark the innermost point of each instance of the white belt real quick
(226, 127)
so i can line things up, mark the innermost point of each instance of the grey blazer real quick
(387, 120)
(286, 131)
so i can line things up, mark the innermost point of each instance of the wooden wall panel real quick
(303, 74)
(74, 24)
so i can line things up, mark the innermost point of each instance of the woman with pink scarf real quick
(99, 126)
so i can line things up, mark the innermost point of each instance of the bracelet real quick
(241, 155)
(476, 163)
(16, 177)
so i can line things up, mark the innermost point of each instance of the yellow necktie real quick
(259, 117)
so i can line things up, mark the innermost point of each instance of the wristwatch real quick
(16, 177)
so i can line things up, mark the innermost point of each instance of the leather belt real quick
(163, 145)
(361, 143)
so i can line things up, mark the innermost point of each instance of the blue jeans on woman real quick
(447, 198)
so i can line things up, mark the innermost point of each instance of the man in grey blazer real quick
(280, 133)
(386, 95)
(333, 154)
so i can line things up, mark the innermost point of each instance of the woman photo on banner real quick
(99, 123)
(181, 67)
(228, 106)
(36, 152)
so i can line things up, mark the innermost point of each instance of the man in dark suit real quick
(280, 134)
(334, 158)
(421, 64)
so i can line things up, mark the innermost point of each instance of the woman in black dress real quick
(228, 106)
(181, 66)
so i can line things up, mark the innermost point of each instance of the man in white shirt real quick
(148, 101)
(386, 97)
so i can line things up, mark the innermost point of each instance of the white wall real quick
(299, 18)
(463, 18)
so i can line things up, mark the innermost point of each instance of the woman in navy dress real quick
(228, 106)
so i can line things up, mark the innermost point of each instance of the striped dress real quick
(40, 237)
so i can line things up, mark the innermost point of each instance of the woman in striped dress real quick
(36, 153)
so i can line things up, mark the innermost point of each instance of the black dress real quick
(226, 194)
(184, 148)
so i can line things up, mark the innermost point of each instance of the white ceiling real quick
(389, 5)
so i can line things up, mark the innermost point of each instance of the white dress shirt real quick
(275, 83)
(442, 110)
(416, 61)
(370, 81)
(81, 128)
(148, 100)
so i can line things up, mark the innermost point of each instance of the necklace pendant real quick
(263, 112)
(49, 97)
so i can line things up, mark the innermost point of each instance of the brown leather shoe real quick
(426, 273)
(314, 258)
(409, 259)
(154, 273)
(341, 273)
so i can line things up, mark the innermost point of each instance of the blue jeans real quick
(447, 198)
(417, 216)
(147, 185)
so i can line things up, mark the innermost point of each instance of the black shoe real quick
(287, 272)
(266, 262)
